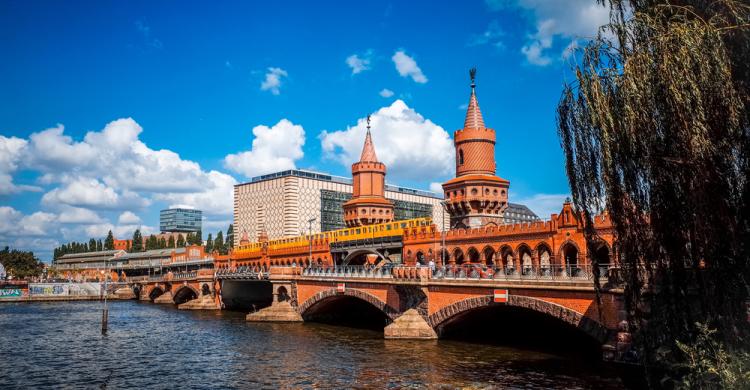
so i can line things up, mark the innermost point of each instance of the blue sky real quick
(113, 110)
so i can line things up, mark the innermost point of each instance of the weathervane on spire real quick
(473, 75)
(368, 123)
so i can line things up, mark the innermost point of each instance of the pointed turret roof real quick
(368, 151)
(474, 118)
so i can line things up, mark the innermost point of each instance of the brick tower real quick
(368, 204)
(476, 196)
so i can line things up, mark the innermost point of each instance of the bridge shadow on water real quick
(521, 328)
(347, 311)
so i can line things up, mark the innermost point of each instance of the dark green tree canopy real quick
(655, 130)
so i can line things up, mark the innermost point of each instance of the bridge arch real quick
(592, 328)
(155, 292)
(489, 255)
(458, 256)
(185, 293)
(326, 295)
(473, 254)
(357, 257)
(570, 253)
(524, 257)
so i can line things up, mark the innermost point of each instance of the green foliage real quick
(109, 242)
(20, 264)
(163, 243)
(180, 240)
(171, 243)
(707, 364)
(137, 245)
(209, 244)
(656, 130)
(152, 242)
(219, 243)
(230, 236)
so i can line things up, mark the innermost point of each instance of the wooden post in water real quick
(105, 309)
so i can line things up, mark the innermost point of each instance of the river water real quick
(59, 345)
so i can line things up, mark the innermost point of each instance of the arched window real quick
(460, 157)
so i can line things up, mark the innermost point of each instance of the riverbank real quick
(66, 298)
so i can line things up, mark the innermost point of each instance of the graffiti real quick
(10, 292)
(48, 289)
(59, 289)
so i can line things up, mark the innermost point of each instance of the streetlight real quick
(444, 205)
(309, 238)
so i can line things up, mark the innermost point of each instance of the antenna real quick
(473, 76)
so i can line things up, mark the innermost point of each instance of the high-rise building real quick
(180, 220)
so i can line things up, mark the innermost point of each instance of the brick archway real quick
(367, 297)
(592, 328)
(179, 290)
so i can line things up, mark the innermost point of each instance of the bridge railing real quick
(551, 272)
(463, 272)
(348, 271)
(184, 275)
(243, 273)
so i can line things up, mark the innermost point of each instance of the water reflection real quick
(58, 345)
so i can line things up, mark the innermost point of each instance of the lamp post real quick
(309, 234)
(444, 204)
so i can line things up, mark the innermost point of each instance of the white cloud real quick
(88, 192)
(111, 170)
(386, 93)
(568, 20)
(411, 146)
(77, 215)
(437, 188)
(36, 224)
(215, 198)
(11, 153)
(491, 36)
(407, 67)
(543, 205)
(274, 149)
(272, 82)
(359, 64)
(128, 218)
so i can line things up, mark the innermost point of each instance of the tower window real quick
(460, 157)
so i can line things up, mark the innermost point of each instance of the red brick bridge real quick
(421, 303)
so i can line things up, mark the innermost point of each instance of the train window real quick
(358, 231)
(403, 225)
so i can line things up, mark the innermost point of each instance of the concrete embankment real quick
(65, 298)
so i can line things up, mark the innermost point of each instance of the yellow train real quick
(388, 229)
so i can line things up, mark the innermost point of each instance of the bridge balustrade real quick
(465, 272)
(347, 271)
(242, 273)
(185, 275)
(552, 272)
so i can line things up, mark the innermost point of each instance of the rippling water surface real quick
(56, 345)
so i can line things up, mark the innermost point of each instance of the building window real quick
(460, 157)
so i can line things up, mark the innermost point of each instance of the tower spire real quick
(474, 118)
(368, 150)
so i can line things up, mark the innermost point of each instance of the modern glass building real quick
(180, 220)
